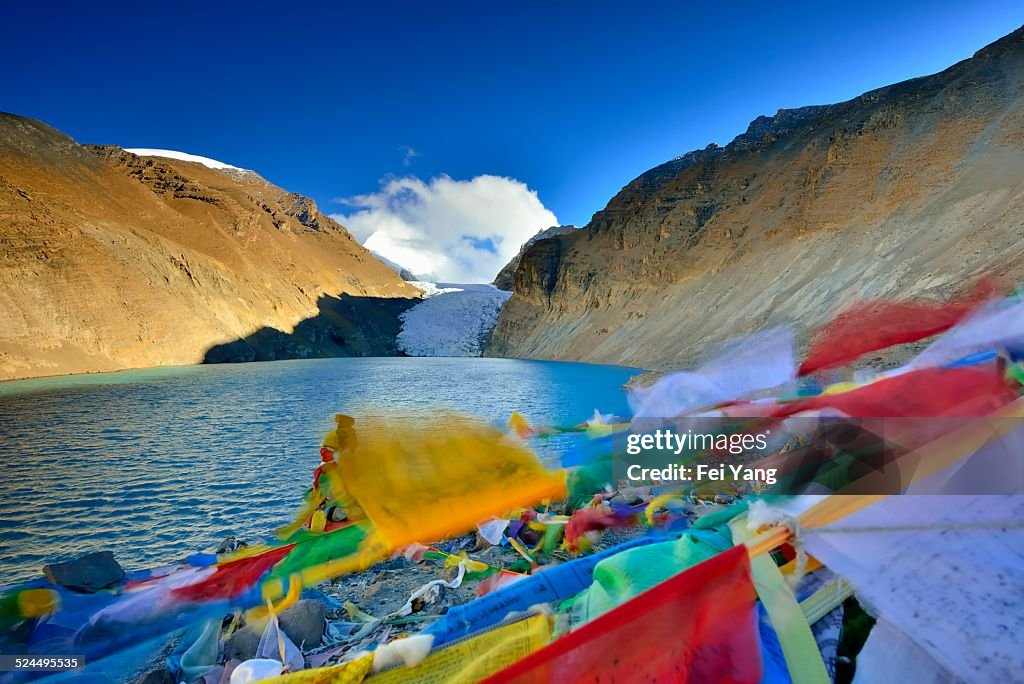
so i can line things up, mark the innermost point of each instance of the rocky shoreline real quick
(341, 617)
(362, 611)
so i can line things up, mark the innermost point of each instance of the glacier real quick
(453, 320)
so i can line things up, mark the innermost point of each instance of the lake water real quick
(156, 464)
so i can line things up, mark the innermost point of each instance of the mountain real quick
(912, 190)
(113, 260)
(503, 281)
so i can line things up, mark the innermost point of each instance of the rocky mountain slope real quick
(503, 281)
(110, 260)
(912, 190)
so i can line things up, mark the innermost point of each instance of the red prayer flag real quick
(870, 325)
(594, 519)
(930, 392)
(233, 579)
(698, 626)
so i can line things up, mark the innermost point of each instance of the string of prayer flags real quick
(698, 626)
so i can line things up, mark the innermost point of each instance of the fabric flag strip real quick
(315, 549)
(930, 392)
(698, 626)
(794, 633)
(553, 584)
(352, 672)
(626, 575)
(871, 325)
(197, 652)
(476, 658)
(761, 361)
(999, 325)
(918, 560)
(233, 578)
(419, 482)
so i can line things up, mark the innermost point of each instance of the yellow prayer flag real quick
(428, 481)
(474, 659)
(352, 672)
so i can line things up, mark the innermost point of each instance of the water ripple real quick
(156, 464)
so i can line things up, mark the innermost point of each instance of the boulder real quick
(88, 574)
(243, 643)
(304, 622)
(632, 496)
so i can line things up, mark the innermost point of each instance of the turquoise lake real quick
(156, 464)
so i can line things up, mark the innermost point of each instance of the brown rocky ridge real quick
(110, 260)
(912, 190)
(503, 281)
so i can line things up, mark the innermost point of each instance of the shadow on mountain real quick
(345, 326)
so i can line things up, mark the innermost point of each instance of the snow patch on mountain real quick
(402, 271)
(453, 320)
(183, 156)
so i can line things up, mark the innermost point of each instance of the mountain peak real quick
(503, 281)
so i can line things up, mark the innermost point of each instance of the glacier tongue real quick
(452, 321)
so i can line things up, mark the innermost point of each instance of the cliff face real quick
(110, 260)
(909, 190)
(505, 277)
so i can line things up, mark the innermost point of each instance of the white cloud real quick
(446, 229)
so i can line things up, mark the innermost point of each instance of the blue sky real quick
(572, 99)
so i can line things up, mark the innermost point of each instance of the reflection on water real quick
(158, 463)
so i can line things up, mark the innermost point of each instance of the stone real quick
(244, 642)
(481, 544)
(529, 536)
(632, 496)
(397, 563)
(230, 544)
(161, 676)
(305, 622)
(87, 574)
